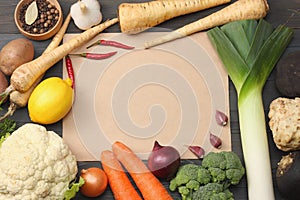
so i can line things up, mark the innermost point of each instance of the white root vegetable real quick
(137, 17)
(239, 10)
(20, 99)
(23, 77)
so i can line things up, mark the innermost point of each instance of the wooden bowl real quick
(38, 36)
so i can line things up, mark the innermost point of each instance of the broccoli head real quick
(212, 191)
(188, 179)
(210, 180)
(187, 190)
(218, 175)
(184, 174)
(203, 176)
(224, 166)
(186, 194)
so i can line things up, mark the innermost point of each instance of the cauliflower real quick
(284, 123)
(35, 164)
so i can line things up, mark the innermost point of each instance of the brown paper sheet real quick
(168, 93)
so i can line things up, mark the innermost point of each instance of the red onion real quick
(164, 161)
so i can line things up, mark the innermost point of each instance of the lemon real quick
(51, 100)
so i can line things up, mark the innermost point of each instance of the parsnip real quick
(23, 78)
(239, 10)
(137, 17)
(20, 99)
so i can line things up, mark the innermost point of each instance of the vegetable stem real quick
(255, 147)
(249, 67)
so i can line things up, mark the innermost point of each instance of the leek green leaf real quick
(249, 52)
(237, 35)
(266, 60)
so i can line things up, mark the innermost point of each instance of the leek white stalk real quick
(255, 147)
(249, 52)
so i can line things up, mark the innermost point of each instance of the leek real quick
(249, 51)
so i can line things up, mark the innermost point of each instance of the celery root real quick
(239, 10)
(28, 73)
(137, 17)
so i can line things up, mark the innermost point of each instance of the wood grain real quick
(280, 13)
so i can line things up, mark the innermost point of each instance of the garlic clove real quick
(221, 118)
(215, 141)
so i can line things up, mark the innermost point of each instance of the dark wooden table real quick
(286, 12)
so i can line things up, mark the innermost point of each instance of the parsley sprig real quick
(7, 126)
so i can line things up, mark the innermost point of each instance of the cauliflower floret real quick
(284, 122)
(35, 164)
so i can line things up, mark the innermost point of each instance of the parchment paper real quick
(168, 93)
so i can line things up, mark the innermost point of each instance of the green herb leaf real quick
(7, 126)
(73, 189)
(3, 138)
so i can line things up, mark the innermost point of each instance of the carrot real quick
(20, 99)
(23, 77)
(137, 17)
(239, 10)
(150, 187)
(118, 180)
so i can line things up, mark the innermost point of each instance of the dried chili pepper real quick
(111, 43)
(70, 70)
(95, 56)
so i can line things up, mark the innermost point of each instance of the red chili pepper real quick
(95, 56)
(111, 43)
(70, 70)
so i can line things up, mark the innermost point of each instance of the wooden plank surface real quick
(280, 13)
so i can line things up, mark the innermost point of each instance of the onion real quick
(164, 161)
(95, 181)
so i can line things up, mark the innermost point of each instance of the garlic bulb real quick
(86, 13)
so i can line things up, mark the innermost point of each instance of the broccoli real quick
(184, 174)
(186, 180)
(218, 175)
(186, 194)
(212, 191)
(224, 166)
(217, 172)
(203, 176)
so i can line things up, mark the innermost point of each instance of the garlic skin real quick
(86, 13)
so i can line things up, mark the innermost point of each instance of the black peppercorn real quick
(47, 17)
